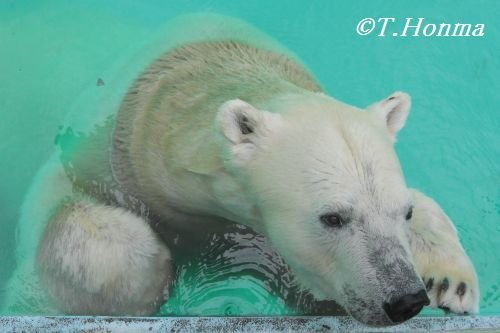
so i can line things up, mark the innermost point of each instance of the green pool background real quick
(53, 52)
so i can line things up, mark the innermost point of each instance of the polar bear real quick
(235, 129)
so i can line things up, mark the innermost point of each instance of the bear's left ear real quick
(243, 127)
(393, 110)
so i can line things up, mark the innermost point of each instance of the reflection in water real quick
(236, 272)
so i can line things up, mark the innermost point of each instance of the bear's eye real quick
(409, 214)
(332, 220)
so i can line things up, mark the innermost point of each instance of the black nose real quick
(406, 307)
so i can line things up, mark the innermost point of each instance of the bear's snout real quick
(406, 307)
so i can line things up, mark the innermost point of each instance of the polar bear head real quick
(332, 198)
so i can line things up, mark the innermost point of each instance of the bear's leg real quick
(447, 271)
(101, 260)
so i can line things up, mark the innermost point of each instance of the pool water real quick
(63, 60)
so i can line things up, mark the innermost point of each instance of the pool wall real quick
(240, 324)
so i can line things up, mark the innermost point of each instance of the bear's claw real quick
(451, 295)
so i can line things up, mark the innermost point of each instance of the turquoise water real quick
(59, 58)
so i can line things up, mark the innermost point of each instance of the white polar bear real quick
(234, 129)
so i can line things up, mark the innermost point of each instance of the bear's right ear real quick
(243, 126)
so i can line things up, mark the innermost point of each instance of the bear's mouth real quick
(368, 312)
(373, 313)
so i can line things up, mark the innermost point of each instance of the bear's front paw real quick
(452, 285)
(442, 262)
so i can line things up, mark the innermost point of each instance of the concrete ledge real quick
(241, 324)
